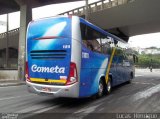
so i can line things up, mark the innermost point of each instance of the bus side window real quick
(89, 37)
(88, 44)
(95, 40)
(107, 45)
(120, 55)
(84, 42)
(96, 46)
(135, 57)
(106, 49)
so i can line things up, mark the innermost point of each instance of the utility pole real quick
(151, 67)
(7, 39)
(86, 11)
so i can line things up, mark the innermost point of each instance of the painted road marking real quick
(32, 109)
(147, 93)
(9, 84)
(84, 111)
(41, 108)
(145, 83)
(136, 75)
(9, 98)
(12, 86)
(88, 109)
(46, 109)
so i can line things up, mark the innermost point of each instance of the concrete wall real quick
(8, 74)
(13, 40)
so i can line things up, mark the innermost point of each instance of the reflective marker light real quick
(27, 73)
(48, 37)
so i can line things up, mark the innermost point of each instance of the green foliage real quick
(147, 60)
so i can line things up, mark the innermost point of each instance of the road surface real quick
(141, 96)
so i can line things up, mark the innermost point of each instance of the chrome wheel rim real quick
(100, 89)
(109, 86)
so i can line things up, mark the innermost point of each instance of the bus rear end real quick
(50, 68)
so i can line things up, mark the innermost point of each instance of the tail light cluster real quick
(73, 77)
(27, 73)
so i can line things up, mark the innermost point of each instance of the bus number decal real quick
(66, 46)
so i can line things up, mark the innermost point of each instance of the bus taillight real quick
(27, 73)
(73, 77)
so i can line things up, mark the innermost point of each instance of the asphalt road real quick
(141, 96)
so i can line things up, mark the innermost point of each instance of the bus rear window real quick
(50, 28)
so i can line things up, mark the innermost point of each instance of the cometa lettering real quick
(55, 69)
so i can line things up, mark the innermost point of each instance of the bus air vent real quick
(48, 54)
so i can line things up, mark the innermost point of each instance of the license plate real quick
(45, 89)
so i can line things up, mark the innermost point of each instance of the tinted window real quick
(95, 40)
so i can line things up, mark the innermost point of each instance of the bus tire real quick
(109, 86)
(131, 77)
(101, 88)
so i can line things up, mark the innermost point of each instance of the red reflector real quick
(27, 72)
(47, 37)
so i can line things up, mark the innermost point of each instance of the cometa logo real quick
(55, 69)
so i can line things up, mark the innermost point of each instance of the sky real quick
(143, 41)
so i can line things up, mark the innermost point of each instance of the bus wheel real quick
(131, 77)
(109, 86)
(130, 81)
(100, 89)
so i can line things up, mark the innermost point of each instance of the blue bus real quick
(67, 56)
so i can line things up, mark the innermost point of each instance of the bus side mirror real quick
(135, 58)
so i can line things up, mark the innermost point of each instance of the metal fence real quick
(10, 33)
(97, 6)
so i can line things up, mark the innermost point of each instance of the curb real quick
(11, 84)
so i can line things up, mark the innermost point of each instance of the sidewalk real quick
(147, 70)
(5, 83)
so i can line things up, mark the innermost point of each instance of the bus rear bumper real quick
(56, 91)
